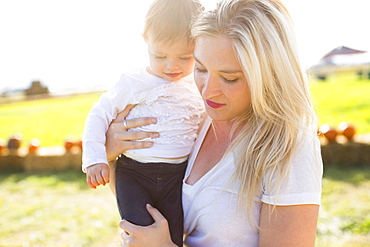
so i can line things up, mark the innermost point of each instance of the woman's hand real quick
(119, 140)
(157, 234)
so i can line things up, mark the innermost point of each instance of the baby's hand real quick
(97, 174)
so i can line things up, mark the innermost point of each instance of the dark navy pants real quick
(159, 184)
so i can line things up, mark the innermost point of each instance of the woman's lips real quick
(213, 104)
(172, 74)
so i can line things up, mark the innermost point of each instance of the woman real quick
(254, 176)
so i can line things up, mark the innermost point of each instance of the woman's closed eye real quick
(228, 80)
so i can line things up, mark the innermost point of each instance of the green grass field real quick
(344, 218)
(50, 120)
(58, 209)
(340, 98)
(343, 98)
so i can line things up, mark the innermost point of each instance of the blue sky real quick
(84, 43)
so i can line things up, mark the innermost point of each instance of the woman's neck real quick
(223, 130)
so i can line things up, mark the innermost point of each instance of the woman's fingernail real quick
(153, 120)
(148, 205)
(148, 144)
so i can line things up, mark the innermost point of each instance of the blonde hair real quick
(169, 20)
(281, 108)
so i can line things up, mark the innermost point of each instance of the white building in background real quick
(342, 59)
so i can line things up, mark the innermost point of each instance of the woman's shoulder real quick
(302, 183)
(308, 145)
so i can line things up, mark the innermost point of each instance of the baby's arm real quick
(94, 156)
(97, 174)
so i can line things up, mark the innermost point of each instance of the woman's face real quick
(220, 79)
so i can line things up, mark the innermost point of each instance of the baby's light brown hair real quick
(169, 20)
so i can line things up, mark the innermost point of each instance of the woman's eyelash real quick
(231, 81)
(200, 70)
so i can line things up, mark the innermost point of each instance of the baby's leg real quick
(132, 193)
(169, 200)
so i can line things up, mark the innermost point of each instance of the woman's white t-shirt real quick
(211, 218)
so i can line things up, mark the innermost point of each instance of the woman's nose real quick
(210, 88)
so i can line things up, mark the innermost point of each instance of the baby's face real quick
(171, 62)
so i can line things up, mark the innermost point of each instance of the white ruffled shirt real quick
(178, 107)
(211, 217)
